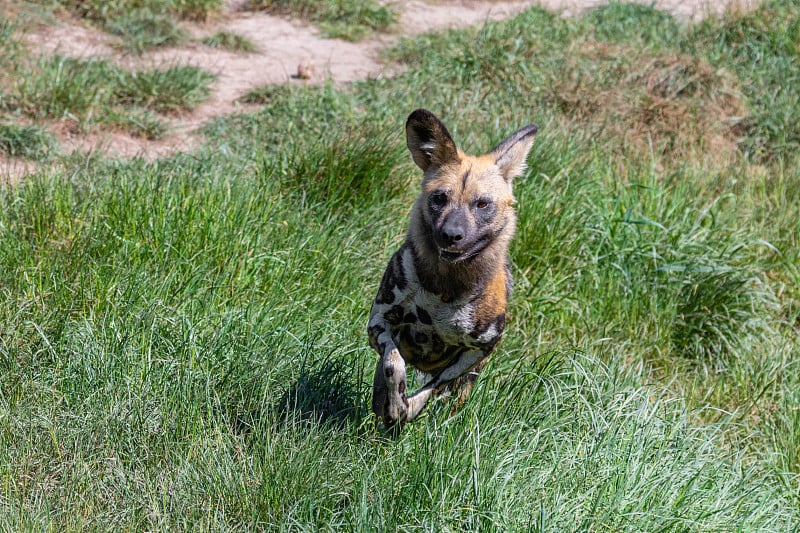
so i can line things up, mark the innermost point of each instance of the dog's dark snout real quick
(453, 233)
(454, 228)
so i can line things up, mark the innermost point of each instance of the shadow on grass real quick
(327, 392)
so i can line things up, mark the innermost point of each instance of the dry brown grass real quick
(669, 105)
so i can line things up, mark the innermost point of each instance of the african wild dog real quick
(442, 301)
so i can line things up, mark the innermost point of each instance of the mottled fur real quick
(441, 305)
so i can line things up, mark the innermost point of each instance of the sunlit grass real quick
(230, 41)
(29, 142)
(183, 346)
(351, 20)
(92, 93)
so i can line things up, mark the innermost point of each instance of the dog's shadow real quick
(324, 393)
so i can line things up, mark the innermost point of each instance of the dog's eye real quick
(482, 204)
(438, 199)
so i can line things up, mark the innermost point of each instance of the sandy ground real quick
(283, 45)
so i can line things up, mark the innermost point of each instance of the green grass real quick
(58, 87)
(140, 25)
(103, 11)
(351, 20)
(230, 41)
(196, 9)
(29, 142)
(763, 48)
(95, 93)
(142, 29)
(143, 124)
(183, 345)
(631, 23)
(176, 88)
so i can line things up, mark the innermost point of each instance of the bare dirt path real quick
(283, 44)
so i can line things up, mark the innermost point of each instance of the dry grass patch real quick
(670, 105)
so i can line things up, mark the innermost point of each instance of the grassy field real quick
(85, 95)
(183, 345)
(351, 20)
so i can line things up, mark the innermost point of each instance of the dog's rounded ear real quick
(510, 155)
(428, 140)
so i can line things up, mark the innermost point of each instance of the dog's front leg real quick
(418, 400)
(389, 384)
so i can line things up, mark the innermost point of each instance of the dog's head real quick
(466, 204)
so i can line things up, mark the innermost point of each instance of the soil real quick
(285, 47)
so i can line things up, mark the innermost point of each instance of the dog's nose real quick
(453, 234)
(453, 229)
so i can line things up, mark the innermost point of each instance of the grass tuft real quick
(141, 124)
(292, 119)
(105, 11)
(351, 20)
(622, 22)
(142, 30)
(231, 42)
(10, 47)
(176, 88)
(29, 142)
(669, 104)
(718, 306)
(197, 9)
(95, 92)
(761, 46)
(59, 87)
(348, 171)
(267, 94)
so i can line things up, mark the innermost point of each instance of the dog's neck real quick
(452, 280)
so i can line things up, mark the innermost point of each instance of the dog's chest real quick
(431, 333)
(432, 330)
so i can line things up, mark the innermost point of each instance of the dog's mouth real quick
(458, 254)
(451, 256)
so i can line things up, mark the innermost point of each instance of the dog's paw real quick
(395, 411)
(392, 407)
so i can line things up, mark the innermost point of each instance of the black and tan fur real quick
(441, 305)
